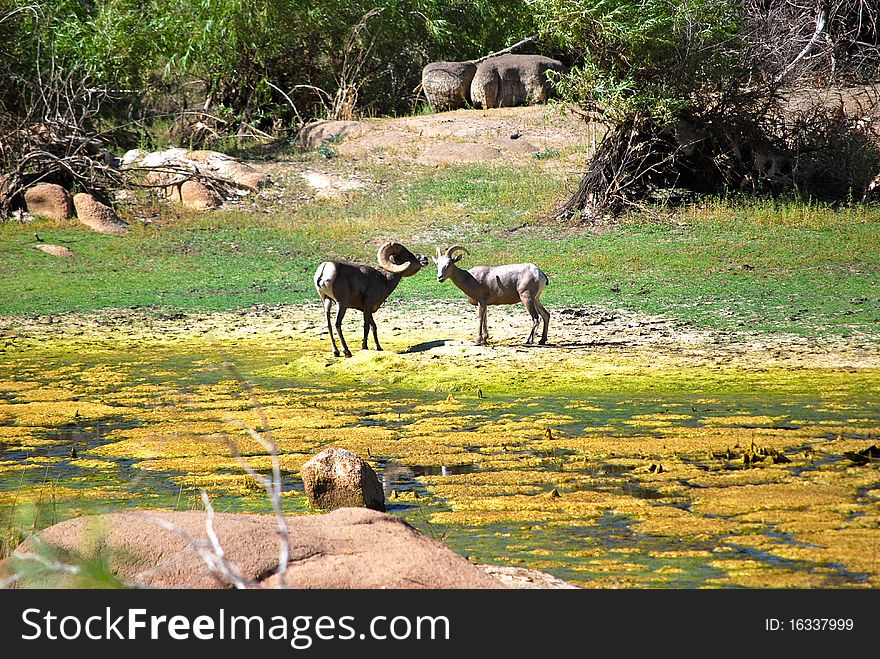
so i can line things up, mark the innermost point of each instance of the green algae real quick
(618, 470)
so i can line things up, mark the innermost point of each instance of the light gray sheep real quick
(501, 284)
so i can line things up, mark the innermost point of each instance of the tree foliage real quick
(266, 62)
(709, 95)
(645, 59)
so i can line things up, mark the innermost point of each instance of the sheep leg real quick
(531, 307)
(328, 302)
(546, 316)
(340, 314)
(482, 329)
(367, 321)
(375, 337)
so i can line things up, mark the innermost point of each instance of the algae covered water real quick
(609, 464)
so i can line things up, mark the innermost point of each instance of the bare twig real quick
(821, 21)
(271, 486)
(509, 49)
(210, 551)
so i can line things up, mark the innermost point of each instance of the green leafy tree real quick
(694, 93)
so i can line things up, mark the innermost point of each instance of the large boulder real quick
(230, 169)
(336, 478)
(512, 80)
(49, 200)
(196, 195)
(97, 216)
(447, 85)
(348, 548)
(206, 162)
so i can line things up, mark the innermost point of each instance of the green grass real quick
(757, 265)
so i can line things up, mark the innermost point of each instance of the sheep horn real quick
(455, 248)
(386, 251)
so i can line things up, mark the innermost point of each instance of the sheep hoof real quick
(542, 342)
(347, 353)
(336, 353)
(379, 348)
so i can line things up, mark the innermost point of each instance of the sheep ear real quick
(434, 259)
(439, 254)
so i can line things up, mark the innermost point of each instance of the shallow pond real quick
(623, 465)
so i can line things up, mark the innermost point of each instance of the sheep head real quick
(397, 259)
(443, 261)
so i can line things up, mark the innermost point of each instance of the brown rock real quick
(242, 174)
(49, 200)
(56, 250)
(97, 216)
(336, 478)
(524, 578)
(348, 548)
(196, 195)
(314, 134)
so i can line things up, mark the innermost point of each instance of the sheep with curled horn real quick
(363, 287)
(501, 284)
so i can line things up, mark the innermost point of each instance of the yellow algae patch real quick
(550, 489)
(856, 548)
(309, 418)
(739, 477)
(44, 393)
(572, 506)
(757, 574)
(14, 434)
(103, 376)
(676, 523)
(350, 434)
(173, 444)
(771, 497)
(84, 463)
(50, 493)
(743, 420)
(440, 456)
(681, 553)
(57, 412)
(11, 467)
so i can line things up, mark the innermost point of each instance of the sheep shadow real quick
(427, 345)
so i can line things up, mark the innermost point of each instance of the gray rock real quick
(447, 84)
(336, 478)
(512, 80)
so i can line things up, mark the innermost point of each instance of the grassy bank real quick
(758, 265)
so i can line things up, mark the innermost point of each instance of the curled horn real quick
(456, 248)
(386, 251)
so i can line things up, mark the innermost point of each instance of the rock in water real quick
(336, 478)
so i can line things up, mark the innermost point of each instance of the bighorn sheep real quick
(363, 287)
(502, 284)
